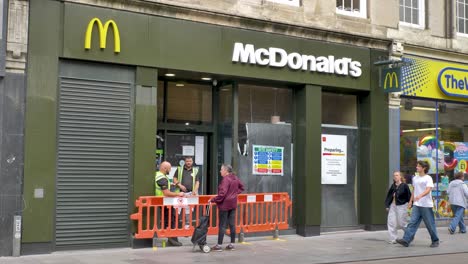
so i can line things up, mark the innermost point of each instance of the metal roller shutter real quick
(93, 162)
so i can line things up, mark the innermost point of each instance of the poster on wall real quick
(267, 160)
(334, 159)
(460, 155)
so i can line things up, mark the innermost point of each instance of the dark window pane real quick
(415, 19)
(461, 25)
(339, 4)
(408, 15)
(347, 5)
(356, 5)
(189, 103)
(460, 9)
(402, 13)
(160, 101)
(415, 3)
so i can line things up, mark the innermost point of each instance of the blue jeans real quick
(458, 214)
(417, 215)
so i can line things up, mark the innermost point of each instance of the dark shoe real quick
(230, 247)
(217, 248)
(173, 241)
(450, 231)
(402, 242)
(434, 244)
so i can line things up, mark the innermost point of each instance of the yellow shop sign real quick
(454, 81)
(435, 79)
(102, 29)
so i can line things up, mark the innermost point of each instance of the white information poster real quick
(188, 150)
(334, 158)
(199, 149)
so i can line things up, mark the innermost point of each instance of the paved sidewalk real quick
(327, 248)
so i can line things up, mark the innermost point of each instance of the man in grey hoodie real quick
(458, 193)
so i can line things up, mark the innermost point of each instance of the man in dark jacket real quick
(226, 200)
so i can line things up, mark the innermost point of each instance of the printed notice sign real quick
(267, 160)
(334, 158)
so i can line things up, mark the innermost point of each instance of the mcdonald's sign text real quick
(102, 30)
(391, 80)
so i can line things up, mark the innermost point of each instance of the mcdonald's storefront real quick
(112, 93)
(430, 123)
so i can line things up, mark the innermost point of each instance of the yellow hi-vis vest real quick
(180, 173)
(158, 176)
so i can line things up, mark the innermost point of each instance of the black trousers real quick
(166, 216)
(225, 218)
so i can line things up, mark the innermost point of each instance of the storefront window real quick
(434, 132)
(339, 109)
(339, 191)
(186, 103)
(225, 124)
(265, 136)
(160, 101)
(417, 122)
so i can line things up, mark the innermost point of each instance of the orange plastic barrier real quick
(255, 213)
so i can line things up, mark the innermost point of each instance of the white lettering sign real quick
(276, 57)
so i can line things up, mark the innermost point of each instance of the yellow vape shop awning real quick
(435, 79)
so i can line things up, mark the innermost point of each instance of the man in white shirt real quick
(422, 207)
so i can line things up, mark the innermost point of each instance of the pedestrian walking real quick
(226, 200)
(458, 193)
(422, 207)
(397, 203)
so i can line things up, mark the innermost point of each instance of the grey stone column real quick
(393, 135)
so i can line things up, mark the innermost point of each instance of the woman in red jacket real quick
(226, 200)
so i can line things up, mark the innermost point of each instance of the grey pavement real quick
(357, 246)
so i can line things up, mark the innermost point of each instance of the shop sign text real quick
(277, 57)
(454, 81)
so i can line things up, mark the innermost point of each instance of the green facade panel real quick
(41, 121)
(177, 44)
(373, 157)
(307, 159)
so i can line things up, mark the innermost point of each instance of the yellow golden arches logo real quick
(102, 34)
(390, 76)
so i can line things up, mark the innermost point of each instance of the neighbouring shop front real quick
(433, 124)
(113, 93)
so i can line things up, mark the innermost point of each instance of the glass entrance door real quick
(177, 145)
(339, 198)
(339, 162)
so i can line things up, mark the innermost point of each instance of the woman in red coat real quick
(226, 200)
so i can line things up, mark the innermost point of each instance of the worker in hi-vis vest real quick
(162, 188)
(187, 180)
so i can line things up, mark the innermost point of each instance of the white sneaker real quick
(392, 242)
(187, 226)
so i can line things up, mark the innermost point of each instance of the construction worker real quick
(162, 188)
(187, 180)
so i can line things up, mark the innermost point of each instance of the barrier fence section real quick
(258, 212)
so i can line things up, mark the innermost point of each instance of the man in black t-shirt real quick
(187, 180)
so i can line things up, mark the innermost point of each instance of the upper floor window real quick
(355, 8)
(462, 16)
(412, 13)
